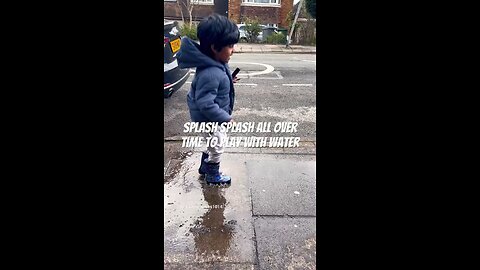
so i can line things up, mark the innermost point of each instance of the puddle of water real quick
(205, 224)
(212, 234)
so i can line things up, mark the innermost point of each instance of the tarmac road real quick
(273, 88)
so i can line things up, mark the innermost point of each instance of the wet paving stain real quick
(200, 225)
(212, 235)
(175, 164)
(214, 225)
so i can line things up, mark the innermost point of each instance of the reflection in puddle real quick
(212, 235)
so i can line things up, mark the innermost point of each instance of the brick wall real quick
(234, 10)
(264, 14)
(276, 15)
(171, 11)
(287, 6)
(202, 11)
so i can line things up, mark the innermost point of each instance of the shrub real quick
(305, 31)
(191, 32)
(277, 38)
(252, 29)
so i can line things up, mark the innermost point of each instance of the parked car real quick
(174, 77)
(243, 32)
(262, 36)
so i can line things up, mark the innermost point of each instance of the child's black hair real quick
(217, 30)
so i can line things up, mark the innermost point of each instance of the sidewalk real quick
(268, 48)
(265, 220)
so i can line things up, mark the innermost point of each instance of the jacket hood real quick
(190, 56)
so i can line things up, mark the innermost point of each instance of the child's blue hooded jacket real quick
(211, 96)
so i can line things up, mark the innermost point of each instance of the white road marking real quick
(240, 84)
(279, 77)
(246, 84)
(310, 61)
(299, 114)
(268, 69)
(299, 84)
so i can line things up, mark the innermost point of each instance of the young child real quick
(211, 95)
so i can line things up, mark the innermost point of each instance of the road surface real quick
(273, 88)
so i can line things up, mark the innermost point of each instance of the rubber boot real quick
(202, 169)
(213, 176)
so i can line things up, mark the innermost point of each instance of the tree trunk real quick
(181, 10)
(294, 22)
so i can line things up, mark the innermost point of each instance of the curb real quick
(174, 139)
(274, 49)
(306, 148)
(279, 52)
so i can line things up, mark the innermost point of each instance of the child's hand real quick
(235, 80)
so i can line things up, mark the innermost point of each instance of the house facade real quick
(268, 12)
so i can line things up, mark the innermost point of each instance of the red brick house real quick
(268, 12)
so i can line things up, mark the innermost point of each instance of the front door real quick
(221, 7)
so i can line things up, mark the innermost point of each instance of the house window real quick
(202, 2)
(262, 2)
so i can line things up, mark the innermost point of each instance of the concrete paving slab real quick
(301, 150)
(250, 150)
(210, 266)
(286, 243)
(273, 48)
(271, 150)
(283, 185)
(174, 156)
(172, 169)
(204, 224)
(305, 148)
(172, 151)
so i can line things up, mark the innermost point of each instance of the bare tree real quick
(189, 5)
(181, 10)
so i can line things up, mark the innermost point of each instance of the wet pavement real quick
(286, 243)
(283, 186)
(264, 220)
